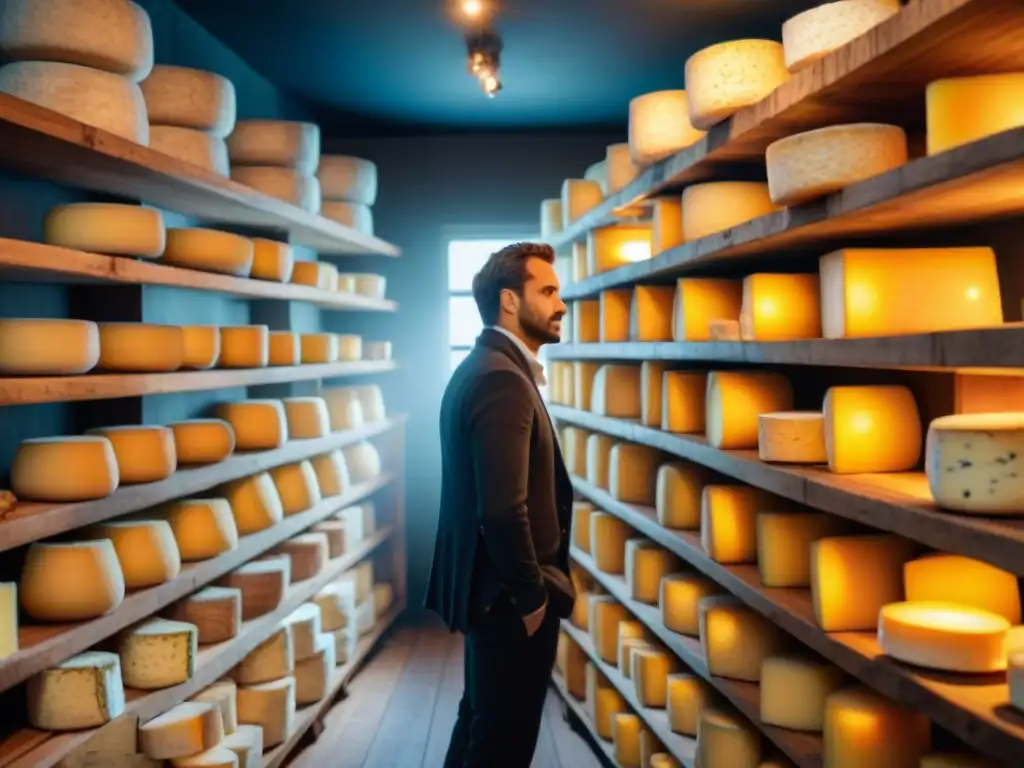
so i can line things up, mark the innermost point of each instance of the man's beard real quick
(540, 331)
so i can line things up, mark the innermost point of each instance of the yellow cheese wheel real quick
(201, 346)
(73, 581)
(280, 143)
(271, 260)
(259, 425)
(209, 250)
(64, 469)
(203, 528)
(285, 184)
(315, 274)
(659, 125)
(319, 348)
(813, 34)
(145, 454)
(202, 441)
(255, 504)
(48, 347)
(348, 179)
(117, 229)
(141, 348)
(964, 109)
(146, 550)
(724, 78)
(244, 346)
(284, 348)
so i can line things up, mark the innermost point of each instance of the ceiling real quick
(401, 64)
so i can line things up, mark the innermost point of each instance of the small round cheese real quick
(202, 441)
(354, 215)
(64, 470)
(279, 143)
(190, 98)
(944, 636)
(191, 146)
(724, 78)
(145, 454)
(73, 581)
(271, 260)
(296, 485)
(209, 250)
(331, 473)
(817, 32)
(244, 346)
(348, 179)
(140, 347)
(117, 229)
(202, 346)
(659, 126)
(109, 102)
(48, 347)
(283, 183)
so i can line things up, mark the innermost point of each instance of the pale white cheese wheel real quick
(348, 179)
(191, 146)
(117, 229)
(280, 143)
(816, 163)
(659, 125)
(190, 98)
(724, 78)
(283, 183)
(90, 96)
(359, 217)
(115, 36)
(48, 347)
(817, 32)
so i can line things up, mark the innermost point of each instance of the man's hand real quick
(534, 620)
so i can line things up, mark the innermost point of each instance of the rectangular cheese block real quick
(699, 300)
(682, 401)
(586, 321)
(872, 429)
(583, 376)
(580, 270)
(650, 313)
(736, 639)
(578, 197)
(616, 391)
(609, 248)
(574, 450)
(651, 373)
(666, 224)
(784, 544)
(780, 307)
(728, 522)
(615, 306)
(735, 399)
(678, 492)
(605, 615)
(608, 535)
(632, 473)
(599, 451)
(647, 563)
(864, 728)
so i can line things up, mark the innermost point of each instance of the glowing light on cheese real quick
(578, 197)
(140, 348)
(813, 164)
(650, 668)
(82, 692)
(599, 448)
(550, 218)
(780, 308)
(686, 696)
(784, 544)
(871, 429)
(615, 306)
(815, 33)
(632, 473)
(145, 549)
(202, 441)
(736, 639)
(716, 206)
(961, 110)
(680, 598)
(73, 581)
(794, 690)
(735, 399)
(616, 391)
(190, 98)
(682, 401)
(701, 300)
(158, 653)
(728, 527)
(611, 247)
(259, 425)
(203, 528)
(605, 615)
(64, 469)
(581, 512)
(724, 739)
(659, 126)
(862, 728)
(962, 581)
(116, 229)
(862, 295)
(794, 437)
(852, 577)
(650, 317)
(944, 636)
(972, 463)
(255, 504)
(209, 250)
(724, 78)
(677, 496)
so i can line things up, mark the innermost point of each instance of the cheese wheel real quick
(190, 98)
(783, 307)
(344, 406)
(794, 437)
(871, 429)
(145, 549)
(331, 473)
(64, 469)
(683, 401)
(686, 697)
(254, 502)
(247, 744)
(270, 706)
(48, 347)
(158, 653)
(307, 417)
(297, 487)
(316, 274)
(271, 260)
(728, 522)
(318, 348)
(216, 613)
(726, 739)
(259, 425)
(550, 218)
(363, 460)
(202, 441)
(244, 346)
(190, 146)
(117, 229)
(201, 346)
(82, 692)
(354, 215)
(736, 639)
(626, 728)
(961, 110)
(659, 126)
(348, 179)
(784, 544)
(971, 461)
(794, 690)
(313, 674)
(371, 285)
(716, 206)
(335, 601)
(701, 301)
(203, 528)
(140, 348)
(283, 183)
(376, 350)
(100, 99)
(334, 530)
(735, 400)
(263, 584)
(279, 143)
(621, 169)
(817, 32)
(578, 197)
(724, 78)
(944, 636)
(307, 552)
(609, 248)
(115, 36)
(813, 164)
(963, 581)
(285, 348)
(73, 581)
(304, 625)
(145, 454)
(680, 597)
(183, 730)
(217, 757)
(863, 728)
(724, 330)
(209, 250)
(678, 490)
(272, 659)
(360, 521)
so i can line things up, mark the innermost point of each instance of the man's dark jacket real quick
(506, 497)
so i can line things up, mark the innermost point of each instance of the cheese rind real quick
(728, 522)
(784, 544)
(972, 463)
(611, 247)
(794, 690)
(792, 437)
(650, 668)
(348, 179)
(716, 206)
(116, 229)
(659, 125)
(961, 110)
(687, 695)
(620, 169)
(650, 313)
(8, 619)
(217, 757)
(201, 346)
(65, 582)
(247, 743)
(646, 564)
(263, 584)
(307, 417)
(780, 307)
(632, 473)
(304, 626)
(82, 692)
(244, 346)
(315, 274)
(626, 728)
(581, 512)
(185, 729)
(678, 492)
(272, 659)
(871, 429)
(683, 401)
(64, 469)
(363, 461)
(724, 78)
(815, 33)
(158, 653)
(963, 581)
(146, 550)
(944, 636)
(578, 197)
(605, 615)
(735, 399)
(190, 98)
(616, 391)
(680, 597)
(608, 535)
(862, 728)
(307, 552)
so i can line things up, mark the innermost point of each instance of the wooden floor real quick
(401, 707)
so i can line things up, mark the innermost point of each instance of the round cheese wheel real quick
(48, 347)
(354, 215)
(659, 125)
(724, 78)
(348, 179)
(817, 32)
(191, 146)
(112, 228)
(190, 98)
(283, 183)
(63, 470)
(140, 347)
(90, 96)
(115, 36)
(73, 581)
(271, 260)
(280, 143)
(209, 250)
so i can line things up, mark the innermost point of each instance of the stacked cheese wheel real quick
(349, 187)
(191, 113)
(80, 58)
(278, 158)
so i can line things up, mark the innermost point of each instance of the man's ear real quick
(509, 301)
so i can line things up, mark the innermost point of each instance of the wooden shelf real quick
(606, 747)
(29, 522)
(343, 674)
(975, 351)
(107, 386)
(37, 749)
(44, 645)
(21, 260)
(879, 76)
(897, 502)
(804, 749)
(44, 144)
(974, 708)
(973, 182)
(682, 748)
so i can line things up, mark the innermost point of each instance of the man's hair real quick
(505, 269)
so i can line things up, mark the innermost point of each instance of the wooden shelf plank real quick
(804, 749)
(682, 748)
(44, 144)
(29, 522)
(21, 260)
(977, 350)
(971, 183)
(212, 663)
(43, 645)
(106, 386)
(606, 747)
(872, 78)
(343, 674)
(974, 708)
(897, 502)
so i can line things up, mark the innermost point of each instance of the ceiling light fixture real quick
(484, 50)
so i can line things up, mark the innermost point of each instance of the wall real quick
(427, 185)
